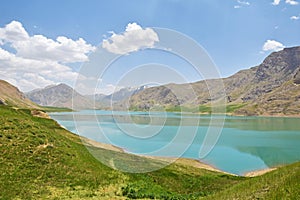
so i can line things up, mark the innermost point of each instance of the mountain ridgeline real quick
(12, 96)
(62, 95)
(271, 88)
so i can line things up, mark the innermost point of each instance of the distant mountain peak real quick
(282, 63)
(61, 95)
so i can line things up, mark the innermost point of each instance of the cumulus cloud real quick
(292, 2)
(42, 48)
(29, 74)
(272, 45)
(294, 17)
(36, 61)
(133, 39)
(62, 50)
(276, 2)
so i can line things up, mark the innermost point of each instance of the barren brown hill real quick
(10, 95)
(272, 88)
(60, 95)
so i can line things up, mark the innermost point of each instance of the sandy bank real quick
(258, 172)
(182, 161)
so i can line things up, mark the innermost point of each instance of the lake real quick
(245, 143)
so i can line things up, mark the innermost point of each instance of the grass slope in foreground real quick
(41, 160)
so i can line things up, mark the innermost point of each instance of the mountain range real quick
(62, 95)
(271, 88)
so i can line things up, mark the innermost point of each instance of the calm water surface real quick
(245, 144)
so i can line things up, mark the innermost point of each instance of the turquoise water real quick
(245, 143)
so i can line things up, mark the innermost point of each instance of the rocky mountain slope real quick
(60, 95)
(272, 88)
(275, 89)
(10, 95)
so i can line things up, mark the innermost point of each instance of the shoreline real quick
(259, 172)
(181, 160)
(90, 142)
(184, 161)
(200, 113)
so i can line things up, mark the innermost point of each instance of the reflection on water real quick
(246, 143)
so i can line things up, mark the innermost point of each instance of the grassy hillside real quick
(283, 183)
(40, 160)
(55, 109)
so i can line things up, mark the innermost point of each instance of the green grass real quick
(41, 160)
(55, 109)
(191, 109)
(283, 183)
(230, 108)
(233, 107)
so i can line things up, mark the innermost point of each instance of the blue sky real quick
(232, 32)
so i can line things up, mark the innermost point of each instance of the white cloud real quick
(276, 2)
(272, 45)
(133, 39)
(40, 47)
(37, 61)
(38, 73)
(291, 2)
(294, 17)
(13, 32)
(243, 2)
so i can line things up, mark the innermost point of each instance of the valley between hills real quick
(42, 160)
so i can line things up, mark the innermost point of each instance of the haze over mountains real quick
(271, 88)
(62, 95)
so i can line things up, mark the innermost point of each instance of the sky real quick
(48, 42)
